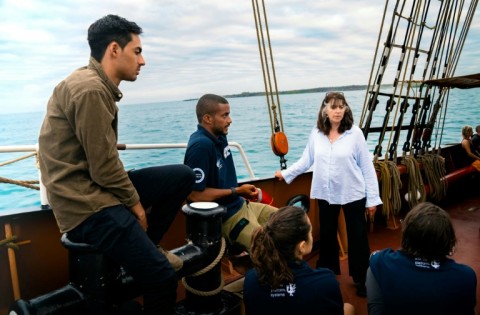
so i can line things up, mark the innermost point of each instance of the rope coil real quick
(434, 169)
(416, 188)
(205, 270)
(390, 187)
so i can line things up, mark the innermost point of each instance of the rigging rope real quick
(278, 139)
(428, 115)
(24, 183)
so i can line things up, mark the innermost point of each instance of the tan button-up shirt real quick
(79, 161)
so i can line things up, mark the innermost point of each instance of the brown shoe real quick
(175, 261)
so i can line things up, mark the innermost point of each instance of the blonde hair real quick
(467, 131)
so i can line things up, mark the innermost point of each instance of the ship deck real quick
(40, 237)
(464, 209)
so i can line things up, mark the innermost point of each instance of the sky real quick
(193, 47)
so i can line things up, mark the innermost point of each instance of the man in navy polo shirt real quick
(209, 155)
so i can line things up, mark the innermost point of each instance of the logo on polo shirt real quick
(282, 292)
(226, 152)
(199, 175)
(423, 263)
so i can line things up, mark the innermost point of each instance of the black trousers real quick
(357, 238)
(116, 232)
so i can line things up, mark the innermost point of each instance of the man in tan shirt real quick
(94, 199)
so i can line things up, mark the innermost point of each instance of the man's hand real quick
(248, 191)
(140, 214)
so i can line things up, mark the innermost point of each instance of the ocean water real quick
(173, 122)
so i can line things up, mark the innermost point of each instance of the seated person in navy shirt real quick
(476, 141)
(209, 155)
(420, 278)
(282, 282)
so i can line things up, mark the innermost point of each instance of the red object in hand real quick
(264, 197)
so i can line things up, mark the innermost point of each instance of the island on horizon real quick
(302, 91)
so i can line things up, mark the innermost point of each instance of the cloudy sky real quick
(195, 46)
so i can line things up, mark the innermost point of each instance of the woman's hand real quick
(278, 174)
(370, 211)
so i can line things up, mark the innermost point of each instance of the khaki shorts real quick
(256, 213)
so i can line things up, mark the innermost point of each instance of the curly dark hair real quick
(428, 233)
(323, 123)
(274, 245)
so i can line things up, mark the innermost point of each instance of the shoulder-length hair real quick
(467, 131)
(323, 123)
(428, 233)
(274, 245)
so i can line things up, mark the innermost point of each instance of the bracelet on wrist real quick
(234, 192)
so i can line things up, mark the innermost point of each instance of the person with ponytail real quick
(281, 282)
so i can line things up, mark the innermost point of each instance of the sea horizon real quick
(350, 87)
(174, 121)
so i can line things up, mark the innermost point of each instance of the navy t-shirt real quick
(410, 285)
(211, 160)
(314, 291)
(476, 144)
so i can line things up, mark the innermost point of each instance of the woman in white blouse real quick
(343, 177)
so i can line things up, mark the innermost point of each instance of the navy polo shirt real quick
(313, 291)
(411, 285)
(211, 160)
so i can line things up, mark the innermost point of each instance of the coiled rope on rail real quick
(390, 187)
(416, 188)
(205, 270)
(434, 169)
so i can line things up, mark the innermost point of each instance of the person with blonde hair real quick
(281, 282)
(420, 278)
(467, 133)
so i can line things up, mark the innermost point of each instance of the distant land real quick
(314, 90)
